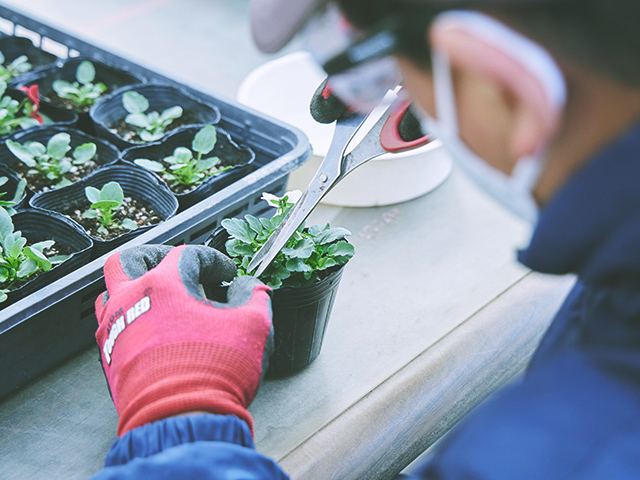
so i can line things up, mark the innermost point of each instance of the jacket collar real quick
(592, 225)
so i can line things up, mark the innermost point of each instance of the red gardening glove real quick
(166, 349)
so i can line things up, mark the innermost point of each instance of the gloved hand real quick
(167, 349)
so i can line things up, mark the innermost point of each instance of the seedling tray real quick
(48, 326)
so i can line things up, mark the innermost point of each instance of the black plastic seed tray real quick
(46, 327)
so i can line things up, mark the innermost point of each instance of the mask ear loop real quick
(527, 53)
(443, 91)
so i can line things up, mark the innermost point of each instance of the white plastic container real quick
(283, 89)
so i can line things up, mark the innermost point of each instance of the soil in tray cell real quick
(130, 208)
(128, 132)
(39, 183)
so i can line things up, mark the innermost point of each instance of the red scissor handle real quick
(390, 136)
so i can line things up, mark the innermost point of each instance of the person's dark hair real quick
(600, 34)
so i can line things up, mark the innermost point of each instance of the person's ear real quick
(533, 116)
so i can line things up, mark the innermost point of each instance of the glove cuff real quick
(181, 378)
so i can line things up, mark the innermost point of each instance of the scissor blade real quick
(321, 183)
(283, 232)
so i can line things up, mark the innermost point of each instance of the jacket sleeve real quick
(192, 446)
(570, 418)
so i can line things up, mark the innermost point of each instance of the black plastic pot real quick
(13, 47)
(109, 113)
(229, 152)
(106, 152)
(58, 117)
(37, 226)
(300, 317)
(136, 183)
(9, 188)
(113, 77)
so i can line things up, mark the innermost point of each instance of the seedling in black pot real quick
(53, 161)
(104, 203)
(148, 126)
(183, 168)
(82, 93)
(19, 193)
(305, 259)
(18, 66)
(19, 262)
(16, 114)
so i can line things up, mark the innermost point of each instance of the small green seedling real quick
(83, 92)
(9, 204)
(15, 114)
(149, 126)
(185, 169)
(17, 67)
(104, 203)
(19, 262)
(303, 260)
(52, 161)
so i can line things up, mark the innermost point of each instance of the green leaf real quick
(22, 153)
(83, 153)
(112, 191)
(326, 262)
(3, 296)
(92, 194)
(40, 246)
(239, 229)
(149, 164)
(2, 59)
(254, 223)
(90, 214)
(20, 188)
(205, 140)
(342, 249)
(59, 145)
(39, 258)
(207, 163)
(6, 225)
(57, 259)
(182, 155)
(105, 205)
(134, 102)
(14, 245)
(29, 123)
(63, 88)
(86, 72)
(3, 87)
(129, 224)
(267, 224)
(3, 180)
(238, 248)
(150, 137)
(64, 182)
(138, 120)
(103, 230)
(36, 149)
(297, 265)
(27, 268)
(4, 274)
(171, 113)
(302, 249)
(330, 235)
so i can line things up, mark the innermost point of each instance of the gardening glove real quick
(166, 349)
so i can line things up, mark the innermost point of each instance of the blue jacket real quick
(576, 414)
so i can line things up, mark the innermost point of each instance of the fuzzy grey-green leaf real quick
(86, 72)
(85, 152)
(134, 102)
(205, 140)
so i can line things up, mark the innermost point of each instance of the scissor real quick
(383, 137)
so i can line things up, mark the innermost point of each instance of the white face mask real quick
(513, 191)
